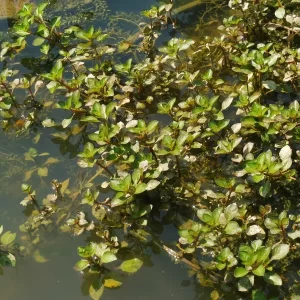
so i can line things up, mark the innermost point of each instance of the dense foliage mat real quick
(202, 134)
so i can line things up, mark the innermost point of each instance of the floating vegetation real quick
(201, 134)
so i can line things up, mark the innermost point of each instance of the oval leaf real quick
(96, 294)
(280, 251)
(131, 266)
(280, 12)
(273, 278)
(7, 238)
(108, 257)
(240, 272)
(111, 283)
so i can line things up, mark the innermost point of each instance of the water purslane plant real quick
(202, 134)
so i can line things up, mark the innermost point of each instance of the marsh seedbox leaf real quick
(240, 272)
(108, 257)
(258, 295)
(273, 278)
(280, 251)
(7, 238)
(96, 294)
(131, 266)
(81, 265)
(112, 283)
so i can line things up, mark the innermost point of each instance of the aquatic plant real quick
(7, 249)
(202, 134)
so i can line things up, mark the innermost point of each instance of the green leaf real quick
(81, 265)
(270, 223)
(240, 272)
(258, 295)
(231, 211)
(269, 84)
(220, 266)
(66, 122)
(152, 126)
(152, 184)
(259, 271)
(38, 41)
(117, 185)
(205, 215)
(280, 251)
(246, 283)
(285, 153)
(258, 178)
(294, 235)
(7, 238)
(111, 283)
(140, 188)
(48, 123)
(273, 278)
(216, 215)
(225, 253)
(96, 294)
(87, 251)
(127, 182)
(136, 176)
(254, 229)
(43, 172)
(108, 257)
(25, 187)
(263, 254)
(38, 257)
(218, 126)
(265, 189)
(232, 228)
(131, 266)
(280, 12)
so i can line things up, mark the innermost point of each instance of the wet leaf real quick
(231, 211)
(273, 278)
(28, 174)
(81, 265)
(96, 294)
(7, 238)
(51, 160)
(38, 41)
(43, 172)
(258, 295)
(294, 235)
(152, 184)
(254, 229)
(38, 257)
(233, 228)
(280, 12)
(112, 283)
(280, 251)
(240, 272)
(263, 254)
(214, 295)
(64, 186)
(269, 84)
(265, 189)
(246, 283)
(259, 271)
(132, 265)
(108, 257)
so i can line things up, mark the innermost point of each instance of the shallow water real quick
(56, 278)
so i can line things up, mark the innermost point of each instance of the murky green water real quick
(56, 279)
